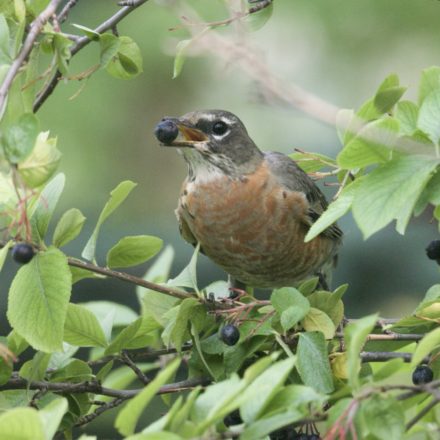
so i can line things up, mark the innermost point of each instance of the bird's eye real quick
(219, 127)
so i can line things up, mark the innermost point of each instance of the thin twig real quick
(62, 16)
(81, 43)
(177, 293)
(126, 359)
(35, 29)
(98, 411)
(422, 412)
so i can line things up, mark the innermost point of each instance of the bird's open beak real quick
(188, 136)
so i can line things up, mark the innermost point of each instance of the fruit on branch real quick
(422, 374)
(229, 334)
(23, 253)
(433, 250)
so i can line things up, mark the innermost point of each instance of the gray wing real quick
(292, 177)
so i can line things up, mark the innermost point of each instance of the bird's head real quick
(211, 139)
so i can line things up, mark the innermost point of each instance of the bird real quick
(248, 210)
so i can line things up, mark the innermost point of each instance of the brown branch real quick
(423, 412)
(35, 29)
(126, 359)
(383, 356)
(81, 43)
(177, 293)
(62, 16)
(98, 411)
(18, 383)
(389, 336)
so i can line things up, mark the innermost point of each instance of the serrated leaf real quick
(19, 138)
(429, 342)
(127, 418)
(372, 144)
(46, 205)
(127, 63)
(429, 82)
(134, 250)
(12, 426)
(82, 328)
(117, 196)
(313, 364)
(317, 320)
(51, 416)
(179, 59)
(429, 116)
(42, 163)
(390, 192)
(334, 211)
(407, 114)
(68, 227)
(291, 305)
(355, 336)
(38, 299)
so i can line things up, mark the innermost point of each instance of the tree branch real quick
(98, 411)
(177, 293)
(18, 383)
(62, 16)
(81, 43)
(35, 29)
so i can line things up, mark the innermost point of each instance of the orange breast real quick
(253, 228)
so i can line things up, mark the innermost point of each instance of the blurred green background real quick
(339, 50)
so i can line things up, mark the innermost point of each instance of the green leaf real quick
(313, 364)
(89, 33)
(4, 253)
(42, 163)
(372, 144)
(261, 428)
(188, 276)
(390, 192)
(257, 20)
(12, 426)
(68, 227)
(257, 396)
(124, 315)
(117, 196)
(429, 82)
(141, 327)
(46, 205)
(291, 305)
(127, 418)
(430, 194)
(407, 114)
(110, 45)
(429, 342)
(134, 250)
(384, 417)
(180, 327)
(62, 52)
(82, 328)
(334, 211)
(317, 320)
(330, 303)
(4, 41)
(355, 336)
(51, 416)
(179, 59)
(388, 94)
(35, 369)
(38, 300)
(19, 138)
(429, 116)
(128, 61)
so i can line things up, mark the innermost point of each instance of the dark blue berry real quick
(433, 250)
(166, 131)
(422, 374)
(229, 334)
(22, 253)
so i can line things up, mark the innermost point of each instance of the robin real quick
(249, 210)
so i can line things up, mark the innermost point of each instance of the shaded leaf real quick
(68, 227)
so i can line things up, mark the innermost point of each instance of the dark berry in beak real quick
(166, 131)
